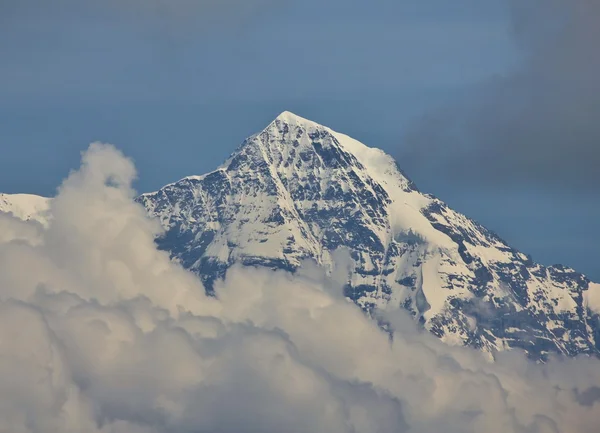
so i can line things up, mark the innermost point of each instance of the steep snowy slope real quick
(299, 190)
(25, 206)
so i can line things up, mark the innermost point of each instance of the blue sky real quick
(178, 84)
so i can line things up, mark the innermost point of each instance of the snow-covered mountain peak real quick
(294, 119)
(290, 135)
(299, 190)
(287, 120)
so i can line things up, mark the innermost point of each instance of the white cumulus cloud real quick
(101, 332)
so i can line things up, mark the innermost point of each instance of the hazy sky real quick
(179, 84)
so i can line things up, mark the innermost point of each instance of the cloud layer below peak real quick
(101, 332)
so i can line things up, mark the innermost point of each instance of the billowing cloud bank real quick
(100, 332)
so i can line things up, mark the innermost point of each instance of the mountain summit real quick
(298, 190)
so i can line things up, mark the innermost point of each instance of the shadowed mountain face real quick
(298, 190)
